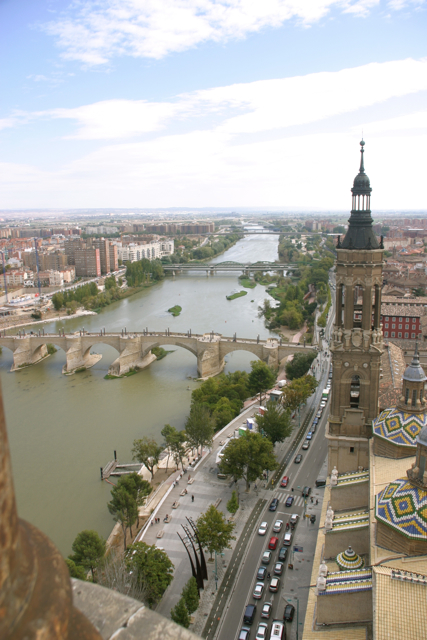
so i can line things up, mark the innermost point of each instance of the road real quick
(230, 606)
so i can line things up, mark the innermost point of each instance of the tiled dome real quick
(403, 506)
(399, 427)
(349, 560)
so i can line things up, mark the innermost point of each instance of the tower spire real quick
(362, 165)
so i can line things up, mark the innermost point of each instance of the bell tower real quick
(356, 343)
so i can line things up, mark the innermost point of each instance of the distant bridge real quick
(244, 267)
(134, 349)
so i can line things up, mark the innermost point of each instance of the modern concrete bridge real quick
(245, 267)
(134, 349)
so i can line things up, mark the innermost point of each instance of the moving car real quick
(274, 584)
(263, 528)
(261, 633)
(306, 492)
(266, 610)
(259, 588)
(298, 458)
(277, 526)
(261, 573)
(273, 504)
(306, 445)
(289, 501)
(288, 614)
(278, 631)
(287, 540)
(278, 569)
(294, 518)
(285, 481)
(244, 633)
(249, 615)
(266, 557)
(273, 542)
(282, 554)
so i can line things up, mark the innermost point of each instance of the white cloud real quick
(417, 120)
(253, 107)
(94, 31)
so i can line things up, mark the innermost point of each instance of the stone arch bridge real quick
(134, 349)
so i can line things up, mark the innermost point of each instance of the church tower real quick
(356, 343)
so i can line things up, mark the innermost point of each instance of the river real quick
(62, 429)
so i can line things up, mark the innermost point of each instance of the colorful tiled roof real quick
(398, 427)
(348, 582)
(403, 506)
(352, 477)
(349, 560)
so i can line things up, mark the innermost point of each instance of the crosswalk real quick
(282, 494)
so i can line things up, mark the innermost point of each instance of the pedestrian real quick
(152, 522)
(317, 502)
(292, 489)
(173, 485)
(192, 498)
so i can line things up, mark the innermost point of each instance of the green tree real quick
(233, 503)
(138, 488)
(261, 378)
(339, 229)
(247, 457)
(191, 596)
(154, 570)
(223, 413)
(168, 433)
(123, 508)
(58, 300)
(215, 533)
(76, 571)
(179, 614)
(418, 292)
(110, 283)
(298, 391)
(299, 365)
(147, 451)
(275, 423)
(88, 548)
(199, 427)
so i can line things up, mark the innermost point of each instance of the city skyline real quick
(212, 104)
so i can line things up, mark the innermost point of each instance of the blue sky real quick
(216, 103)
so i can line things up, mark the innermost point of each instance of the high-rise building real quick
(357, 339)
(87, 262)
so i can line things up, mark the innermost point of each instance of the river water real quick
(62, 429)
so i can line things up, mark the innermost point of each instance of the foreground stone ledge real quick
(117, 616)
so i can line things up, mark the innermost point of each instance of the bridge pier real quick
(79, 359)
(209, 360)
(131, 357)
(25, 355)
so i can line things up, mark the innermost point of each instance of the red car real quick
(285, 481)
(273, 542)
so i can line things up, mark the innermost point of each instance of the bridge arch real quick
(167, 341)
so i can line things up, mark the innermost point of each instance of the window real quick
(414, 397)
(400, 319)
(412, 335)
(406, 326)
(414, 326)
(392, 334)
(408, 319)
(406, 396)
(386, 325)
(400, 326)
(354, 392)
(399, 335)
(406, 334)
(393, 326)
(351, 449)
(386, 334)
(387, 318)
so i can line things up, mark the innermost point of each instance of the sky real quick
(212, 103)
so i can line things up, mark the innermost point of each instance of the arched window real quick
(414, 397)
(355, 392)
(406, 395)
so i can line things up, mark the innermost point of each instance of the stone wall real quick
(344, 607)
(350, 496)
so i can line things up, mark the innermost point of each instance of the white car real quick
(263, 528)
(294, 518)
(322, 404)
(259, 588)
(277, 526)
(261, 633)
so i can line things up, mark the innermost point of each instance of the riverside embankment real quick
(62, 429)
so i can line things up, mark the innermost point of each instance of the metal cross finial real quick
(362, 165)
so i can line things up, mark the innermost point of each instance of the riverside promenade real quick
(207, 489)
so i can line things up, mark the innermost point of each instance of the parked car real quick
(261, 633)
(309, 435)
(261, 573)
(306, 492)
(282, 554)
(294, 518)
(319, 414)
(306, 445)
(323, 404)
(273, 542)
(320, 482)
(263, 528)
(287, 540)
(274, 584)
(289, 501)
(298, 458)
(288, 614)
(315, 421)
(277, 526)
(259, 588)
(285, 481)
(244, 633)
(266, 610)
(249, 615)
(273, 504)
(266, 557)
(278, 569)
